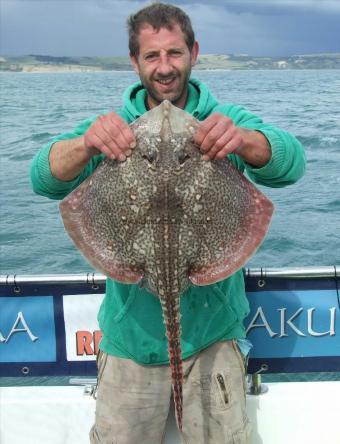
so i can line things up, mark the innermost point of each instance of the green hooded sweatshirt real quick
(130, 317)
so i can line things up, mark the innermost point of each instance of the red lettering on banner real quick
(88, 343)
(97, 335)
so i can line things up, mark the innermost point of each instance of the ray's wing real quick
(101, 218)
(230, 218)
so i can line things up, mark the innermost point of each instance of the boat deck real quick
(290, 412)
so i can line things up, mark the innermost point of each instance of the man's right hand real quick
(111, 135)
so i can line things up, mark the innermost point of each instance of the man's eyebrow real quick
(151, 52)
(157, 51)
(175, 49)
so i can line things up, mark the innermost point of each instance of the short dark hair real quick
(159, 15)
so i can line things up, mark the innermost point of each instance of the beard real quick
(175, 93)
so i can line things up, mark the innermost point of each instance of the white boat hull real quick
(290, 412)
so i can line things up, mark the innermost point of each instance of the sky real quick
(98, 27)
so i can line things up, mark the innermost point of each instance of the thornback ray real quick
(165, 218)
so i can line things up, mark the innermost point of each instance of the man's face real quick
(164, 64)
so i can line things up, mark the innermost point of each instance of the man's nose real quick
(164, 66)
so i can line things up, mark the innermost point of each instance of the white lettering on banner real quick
(260, 320)
(265, 323)
(331, 330)
(20, 319)
(289, 322)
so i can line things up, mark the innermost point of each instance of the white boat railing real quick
(332, 271)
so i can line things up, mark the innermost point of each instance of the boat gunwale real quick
(100, 279)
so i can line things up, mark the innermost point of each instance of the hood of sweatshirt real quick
(200, 102)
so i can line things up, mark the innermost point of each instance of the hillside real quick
(44, 63)
(312, 61)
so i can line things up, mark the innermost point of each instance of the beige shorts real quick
(133, 400)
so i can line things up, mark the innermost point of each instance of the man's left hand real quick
(217, 136)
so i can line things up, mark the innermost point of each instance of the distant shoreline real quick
(205, 62)
(70, 71)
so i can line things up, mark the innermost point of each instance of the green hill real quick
(45, 63)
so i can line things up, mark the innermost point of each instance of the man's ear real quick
(134, 63)
(194, 53)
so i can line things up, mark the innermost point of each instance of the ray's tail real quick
(173, 331)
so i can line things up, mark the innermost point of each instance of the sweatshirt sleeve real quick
(288, 162)
(42, 180)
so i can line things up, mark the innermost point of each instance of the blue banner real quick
(51, 329)
(27, 329)
(294, 324)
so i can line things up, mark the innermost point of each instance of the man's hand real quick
(111, 135)
(217, 136)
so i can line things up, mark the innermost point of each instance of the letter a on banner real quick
(259, 314)
(15, 329)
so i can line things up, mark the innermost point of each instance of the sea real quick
(305, 230)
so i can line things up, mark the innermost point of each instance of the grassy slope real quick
(209, 61)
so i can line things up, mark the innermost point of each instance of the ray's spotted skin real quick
(165, 218)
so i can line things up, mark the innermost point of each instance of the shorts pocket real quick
(101, 364)
(223, 391)
(243, 360)
(243, 436)
(215, 391)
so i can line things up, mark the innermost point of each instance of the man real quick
(134, 387)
